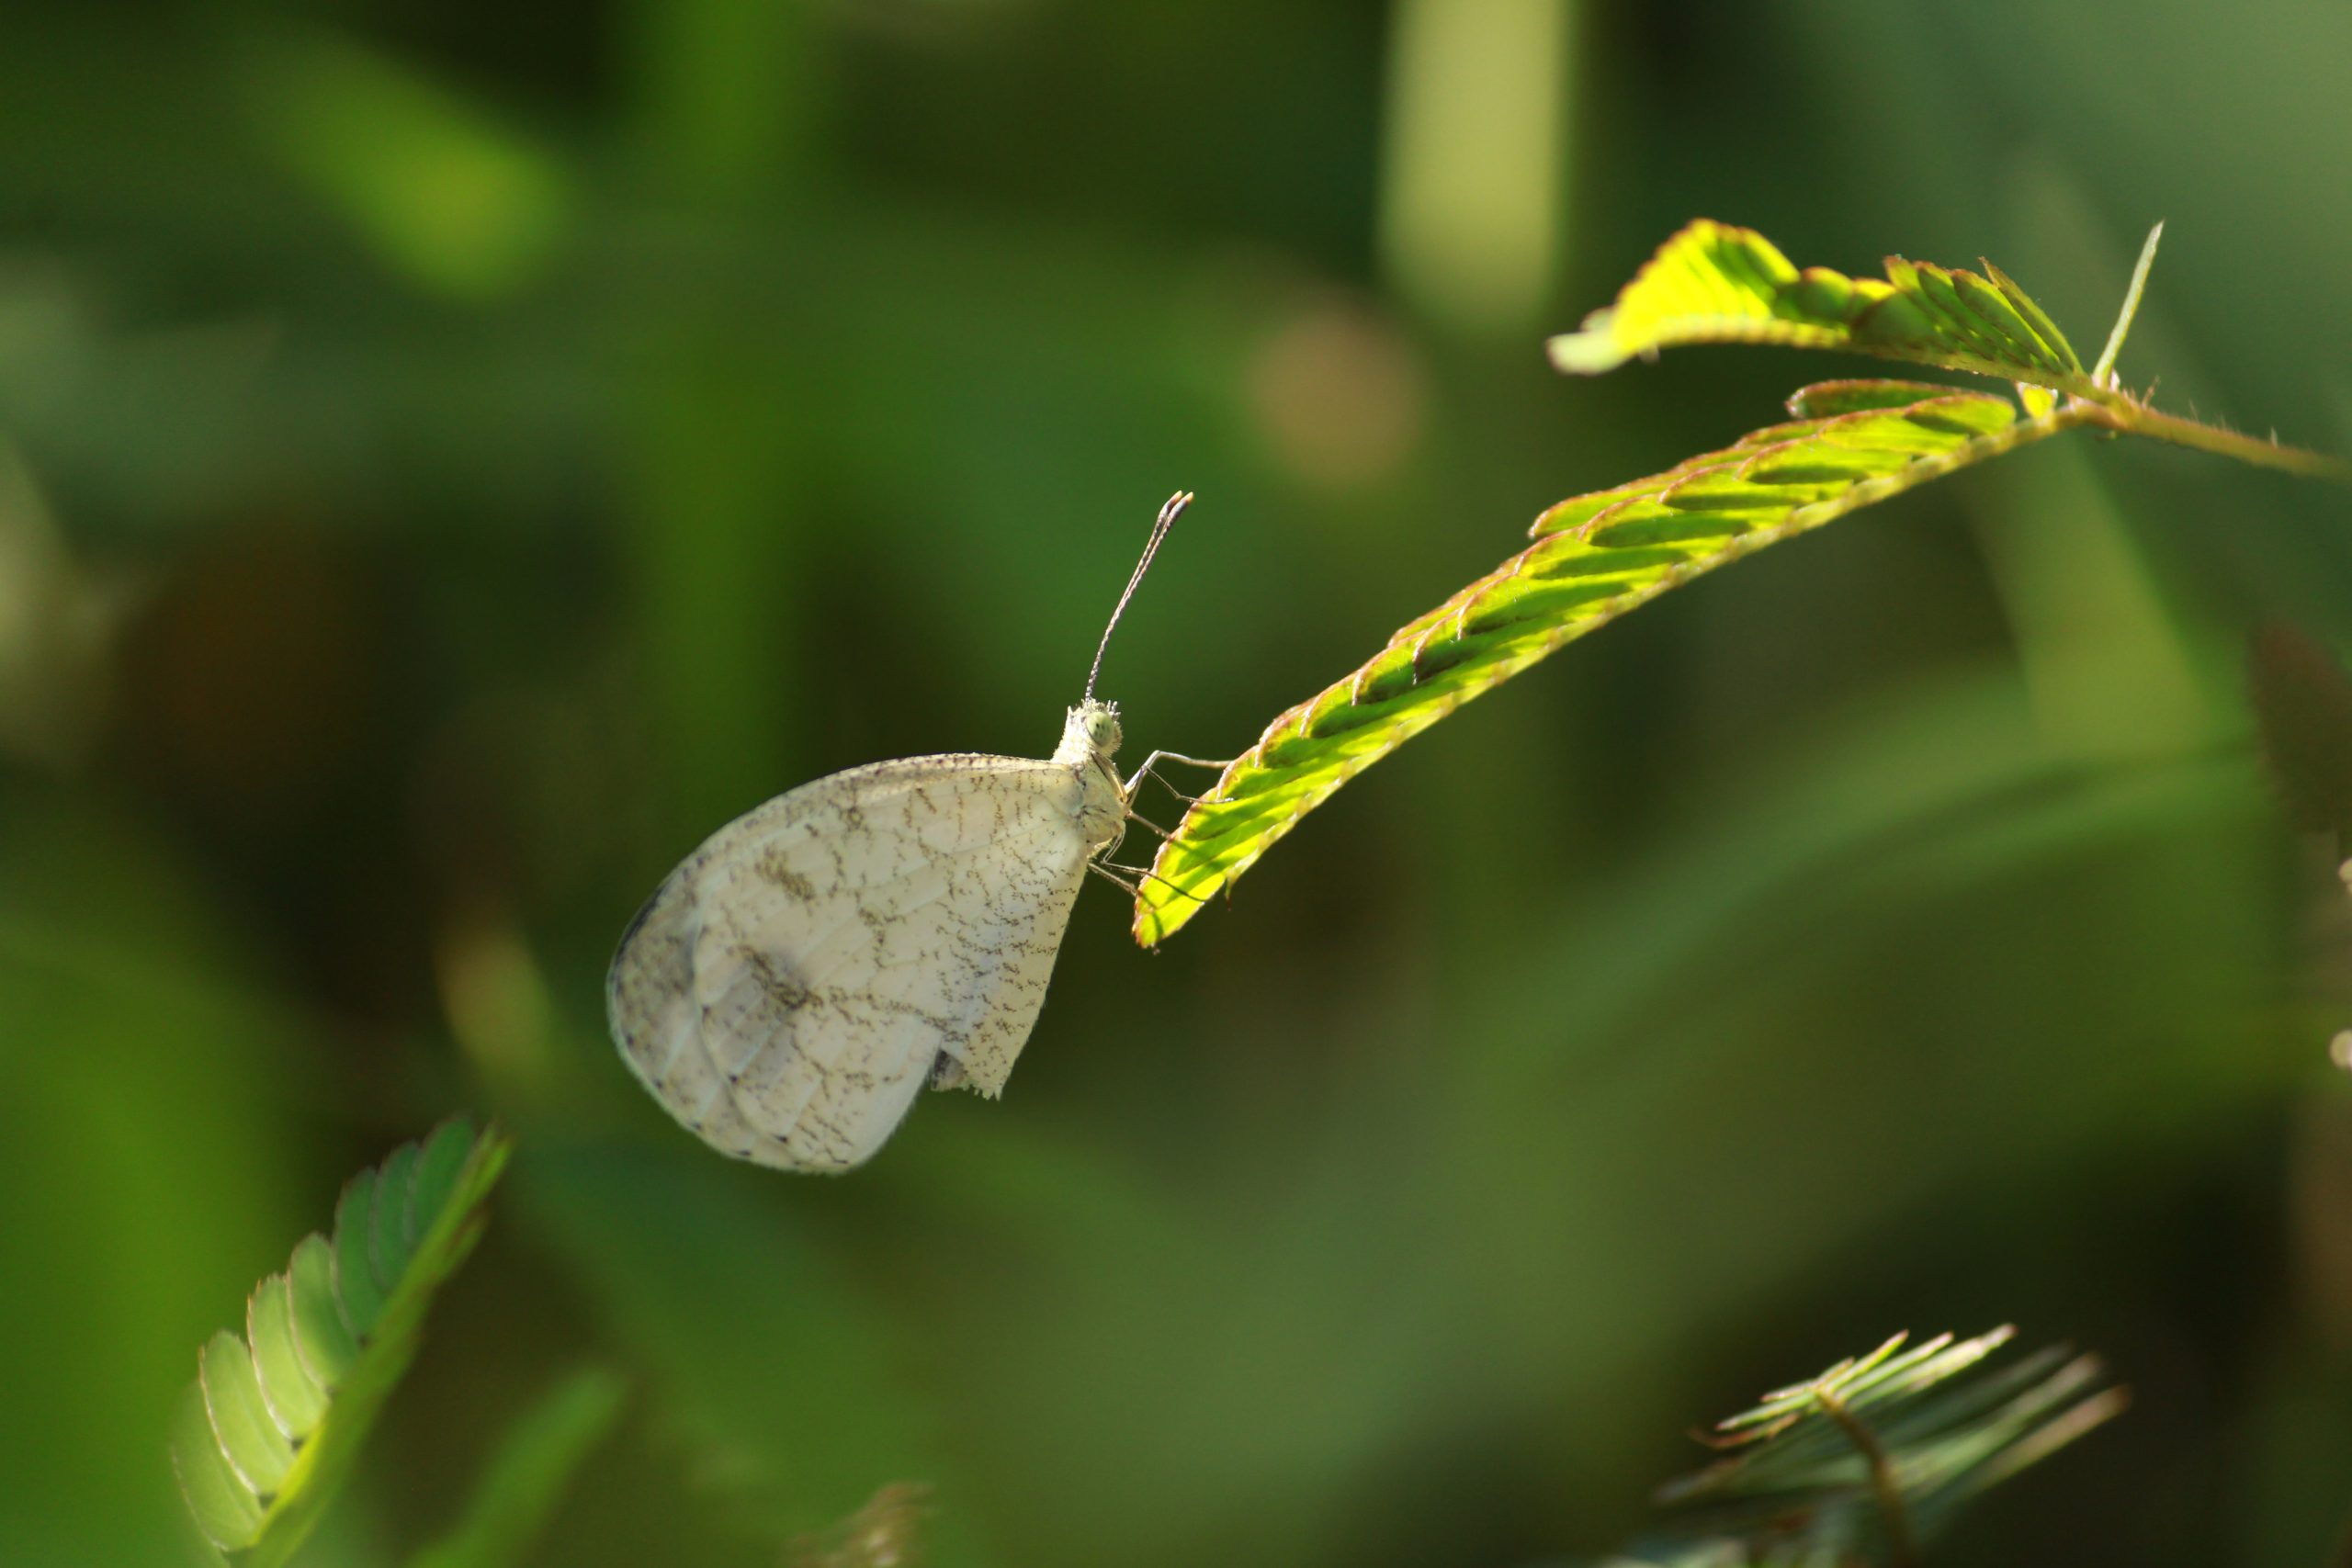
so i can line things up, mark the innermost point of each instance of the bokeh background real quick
(453, 457)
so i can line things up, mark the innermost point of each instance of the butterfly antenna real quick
(1168, 516)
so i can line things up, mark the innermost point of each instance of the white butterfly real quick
(792, 986)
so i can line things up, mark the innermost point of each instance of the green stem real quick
(1902, 1546)
(2117, 412)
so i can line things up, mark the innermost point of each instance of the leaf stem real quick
(1901, 1544)
(2119, 413)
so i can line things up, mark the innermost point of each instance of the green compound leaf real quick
(1595, 556)
(264, 1435)
(1874, 1457)
(1852, 442)
(1714, 283)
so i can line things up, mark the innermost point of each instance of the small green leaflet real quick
(1714, 283)
(1595, 556)
(264, 1436)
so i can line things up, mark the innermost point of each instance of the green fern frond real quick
(1874, 1457)
(265, 1433)
(1715, 283)
(1851, 444)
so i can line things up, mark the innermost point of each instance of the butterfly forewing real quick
(790, 989)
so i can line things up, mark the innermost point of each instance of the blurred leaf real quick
(273, 1422)
(455, 202)
(1595, 556)
(148, 1142)
(885, 1533)
(1714, 283)
(526, 1477)
(776, 1366)
(2302, 705)
(1870, 1459)
(57, 621)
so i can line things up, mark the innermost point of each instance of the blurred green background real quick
(453, 457)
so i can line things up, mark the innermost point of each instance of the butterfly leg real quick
(1113, 847)
(1151, 764)
(1134, 885)
(1150, 827)
(1134, 881)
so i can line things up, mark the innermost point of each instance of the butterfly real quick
(797, 980)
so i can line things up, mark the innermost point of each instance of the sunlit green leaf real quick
(273, 1422)
(1597, 556)
(296, 1399)
(322, 1339)
(256, 1450)
(224, 1506)
(1714, 283)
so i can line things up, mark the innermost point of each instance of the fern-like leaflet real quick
(265, 1433)
(1870, 1460)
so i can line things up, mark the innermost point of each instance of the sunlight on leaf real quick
(1595, 556)
(1714, 283)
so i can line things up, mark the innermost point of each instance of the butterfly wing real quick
(790, 989)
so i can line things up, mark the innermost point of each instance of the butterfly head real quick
(1093, 727)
